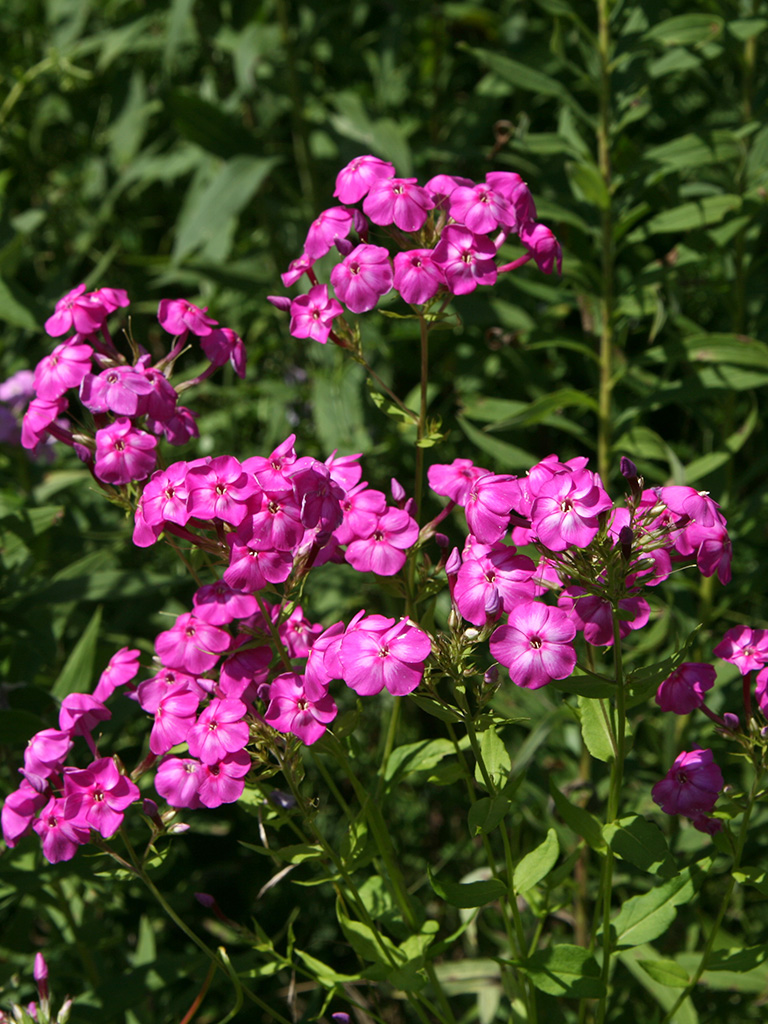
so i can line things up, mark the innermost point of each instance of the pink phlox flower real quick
(191, 644)
(691, 786)
(144, 533)
(398, 201)
(527, 488)
(152, 691)
(98, 795)
(78, 310)
(683, 690)
(417, 277)
(442, 186)
(354, 180)
(19, 812)
(713, 548)
(224, 781)
(565, 512)
(331, 224)
(44, 756)
(592, 615)
(80, 713)
(179, 429)
(276, 525)
(492, 569)
(177, 316)
(160, 403)
(292, 710)
(122, 668)
(243, 675)
(64, 368)
(224, 344)
(541, 242)
(111, 298)
(745, 648)
(252, 569)
(60, 830)
(298, 633)
(296, 269)
(383, 551)
(118, 389)
(455, 481)
(124, 453)
(319, 496)
(219, 490)
(546, 578)
(164, 498)
(361, 508)
(174, 718)
(467, 259)
(220, 729)
(312, 315)
(536, 645)
(18, 389)
(363, 277)
(481, 209)
(273, 472)
(514, 189)
(488, 505)
(393, 658)
(686, 501)
(40, 415)
(345, 470)
(219, 604)
(761, 690)
(177, 781)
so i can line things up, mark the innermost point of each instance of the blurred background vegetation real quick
(183, 148)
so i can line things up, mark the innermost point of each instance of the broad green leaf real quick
(468, 894)
(756, 877)
(542, 407)
(536, 865)
(666, 972)
(700, 467)
(640, 842)
(746, 959)
(326, 975)
(595, 728)
(746, 28)
(495, 756)
(686, 29)
(564, 970)
(689, 216)
(376, 897)
(337, 407)
(371, 945)
(664, 996)
(486, 813)
(77, 673)
(643, 918)
(415, 757)
(578, 819)
(587, 184)
(695, 149)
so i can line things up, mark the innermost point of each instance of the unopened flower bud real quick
(492, 604)
(441, 540)
(628, 468)
(764, 732)
(151, 810)
(626, 538)
(453, 564)
(731, 721)
(344, 246)
(283, 800)
(178, 828)
(281, 302)
(410, 507)
(205, 899)
(66, 1008)
(491, 676)
(398, 492)
(360, 222)
(340, 1018)
(40, 970)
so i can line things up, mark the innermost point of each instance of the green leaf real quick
(507, 456)
(595, 729)
(756, 877)
(666, 972)
(15, 310)
(630, 958)
(690, 216)
(486, 813)
(415, 757)
(587, 184)
(687, 29)
(579, 820)
(585, 684)
(537, 864)
(372, 946)
(496, 757)
(643, 918)
(468, 895)
(523, 76)
(640, 842)
(326, 975)
(209, 126)
(564, 970)
(77, 673)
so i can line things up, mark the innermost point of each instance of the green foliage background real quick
(183, 149)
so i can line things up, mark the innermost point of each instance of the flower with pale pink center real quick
(177, 316)
(455, 481)
(60, 830)
(64, 368)
(417, 277)
(691, 786)
(191, 644)
(312, 315)
(373, 659)
(745, 648)
(536, 645)
(224, 781)
(398, 201)
(119, 389)
(220, 729)
(492, 569)
(124, 453)
(98, 795)
(383, 550)
(363, 277)
(466, 259)
(292, 710)
(78, 310)
(331, 224)
(178, 781)
(565, 512)
(481, 209)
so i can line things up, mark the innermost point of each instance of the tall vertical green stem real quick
(607, 244)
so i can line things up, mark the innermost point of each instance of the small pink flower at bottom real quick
(684, 689)
(100, 794)
(536, 645)
(291, 710)
(691, 786)
(224, 781)
(59, 834)
(312, 315)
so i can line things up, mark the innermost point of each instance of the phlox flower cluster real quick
(131, 405)
(592, 556)
(448, 234)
